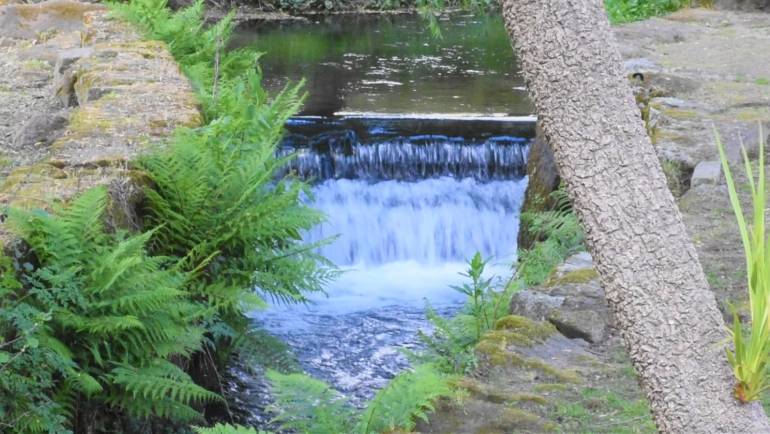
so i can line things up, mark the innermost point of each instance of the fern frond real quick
(406, 398)
(162, 380)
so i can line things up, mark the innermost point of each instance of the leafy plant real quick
(227, 429)
(101, 329)
(28, 368)
(751, 352)
(109, 316)
(408, 397)
(451, 344)
(624, 11)
(478, 293)
(560, 235)
(307, 405)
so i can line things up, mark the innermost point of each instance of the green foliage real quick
(751, 352)
(478, 293)
(26, 387)
(108, 316)
(215, 197)
(451, 345)
(561, 236)
(624, 11)
(97, 325)
(307, 405)
(408, 397)
(227, 429)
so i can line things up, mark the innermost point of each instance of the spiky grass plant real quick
(749, 358)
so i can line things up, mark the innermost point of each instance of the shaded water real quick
(392, 64)
(416, 149)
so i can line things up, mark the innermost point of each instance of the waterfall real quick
(410, 158)
(432, 221)
(404, 210)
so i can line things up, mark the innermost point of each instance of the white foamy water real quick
(431, 222)
(404, 243)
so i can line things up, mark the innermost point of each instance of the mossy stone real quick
(583, 275)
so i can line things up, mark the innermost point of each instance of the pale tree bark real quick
(668, 317)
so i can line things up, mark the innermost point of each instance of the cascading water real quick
(416, 150)
(406, 211)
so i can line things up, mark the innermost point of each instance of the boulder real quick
(41, 129)
(572, 299)
(529, 378)
(706, 172)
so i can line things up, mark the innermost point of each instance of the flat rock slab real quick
(701, 68)
(544, 383)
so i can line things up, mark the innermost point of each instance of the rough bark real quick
(672, 328)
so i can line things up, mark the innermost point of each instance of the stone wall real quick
(81, 95)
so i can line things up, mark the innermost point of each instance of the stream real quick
(416, 151)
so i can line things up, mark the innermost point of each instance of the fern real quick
(227, 429)
(112, 308)
(559, 234)
(307, 405)
(408, 397)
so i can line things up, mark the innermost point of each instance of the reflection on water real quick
(392, 64)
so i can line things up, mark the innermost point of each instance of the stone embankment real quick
(81, 95)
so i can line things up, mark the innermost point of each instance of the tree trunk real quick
(666, 313)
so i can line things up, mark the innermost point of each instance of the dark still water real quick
(392, 64)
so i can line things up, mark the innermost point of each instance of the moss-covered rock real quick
(583, 275)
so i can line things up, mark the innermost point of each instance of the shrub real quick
(106, 318)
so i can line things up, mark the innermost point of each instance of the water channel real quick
(416, 148)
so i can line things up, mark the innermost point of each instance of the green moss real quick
(524, 326)
(584, 275)
(87, 120)
(495, 352)
(681, 114)
(491, 394)
(510, 420)
(65, 10)
(762, 81)
(752, 114)
(35, 65)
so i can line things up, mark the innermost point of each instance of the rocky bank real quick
(81, 95)
(557, 364)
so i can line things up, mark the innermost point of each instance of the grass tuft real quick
(749, 357)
